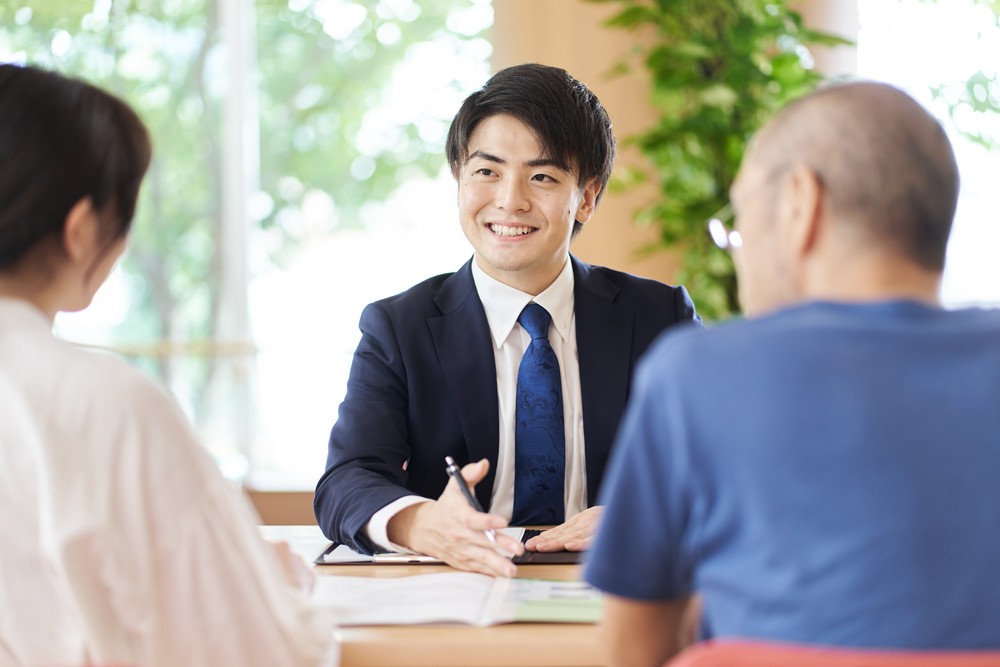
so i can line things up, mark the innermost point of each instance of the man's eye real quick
(545, 178)
(485, 171)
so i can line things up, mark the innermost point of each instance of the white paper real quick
(455, 597)
(450, 597)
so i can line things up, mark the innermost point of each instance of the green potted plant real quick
(719, 69)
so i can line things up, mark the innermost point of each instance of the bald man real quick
(827, 470)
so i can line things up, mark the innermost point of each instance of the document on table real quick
(456, 597)
(341, 554)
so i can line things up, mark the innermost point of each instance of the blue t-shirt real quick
(827, 474)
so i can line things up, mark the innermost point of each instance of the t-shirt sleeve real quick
(641, 548)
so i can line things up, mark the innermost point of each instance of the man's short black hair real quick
(568, 120)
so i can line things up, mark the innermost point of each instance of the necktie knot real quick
(535, 320)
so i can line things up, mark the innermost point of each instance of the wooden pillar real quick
(837, 17)
(570, 34)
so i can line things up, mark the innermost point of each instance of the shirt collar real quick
(25, 313)
(503, 303)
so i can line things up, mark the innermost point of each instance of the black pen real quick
(455, 473)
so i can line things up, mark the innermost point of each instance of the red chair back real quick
(738, 653)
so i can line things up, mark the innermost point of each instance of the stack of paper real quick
(456, 597)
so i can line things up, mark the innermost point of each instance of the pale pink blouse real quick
(121, 543)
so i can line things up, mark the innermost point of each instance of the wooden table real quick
(510, 645)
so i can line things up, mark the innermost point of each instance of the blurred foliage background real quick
(719, 69)
(974, 101)
(330, 139)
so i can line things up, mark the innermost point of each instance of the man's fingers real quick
(509, 545)
(549, 545)
(559, 539)
(574, 535)
(501, 543)
(456, 533)
(485, 560)
(473, 473)
(472, 550)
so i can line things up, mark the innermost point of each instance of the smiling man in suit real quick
(449, 368)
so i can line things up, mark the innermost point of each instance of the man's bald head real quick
(886, 165)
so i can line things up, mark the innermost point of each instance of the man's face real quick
(762, 268)
(517, 208)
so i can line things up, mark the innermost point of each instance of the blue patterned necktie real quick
(539, 430)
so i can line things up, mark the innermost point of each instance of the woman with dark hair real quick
(121, 541)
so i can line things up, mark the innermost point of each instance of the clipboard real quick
(341, 554)
(545, 557)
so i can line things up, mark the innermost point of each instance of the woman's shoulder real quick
(99, 378)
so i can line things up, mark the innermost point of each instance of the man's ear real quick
(81, 233)
(588, 200)
(802, 208)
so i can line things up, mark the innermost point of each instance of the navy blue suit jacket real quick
(423, 386)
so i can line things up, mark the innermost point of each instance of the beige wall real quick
(570, 34)
(837, 17)
(282, 508)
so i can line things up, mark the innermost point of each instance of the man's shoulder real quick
(648, 296)
(809, 330)
(628, 282)
(656, 305)
(720, 345)
(423, 291)
(425, 298)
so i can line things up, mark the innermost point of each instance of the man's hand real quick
(577, 534)
(451, 530)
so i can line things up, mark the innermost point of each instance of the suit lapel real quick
(465, 351)
(604, 346)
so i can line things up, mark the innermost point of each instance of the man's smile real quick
(511, 230)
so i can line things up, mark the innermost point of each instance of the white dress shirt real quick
(121, 542)
(503, 304)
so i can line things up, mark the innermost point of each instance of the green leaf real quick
(718, 69)
(631, 17)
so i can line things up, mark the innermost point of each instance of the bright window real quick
(298, 174)
(951, 47)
